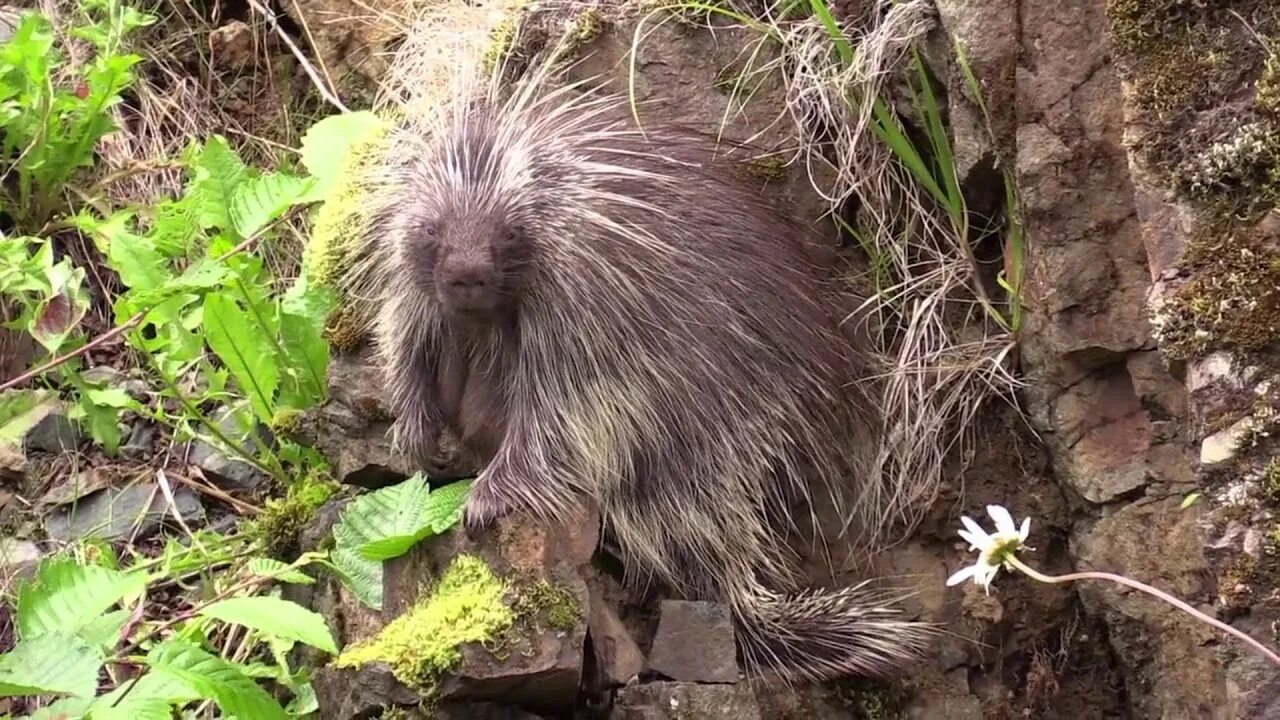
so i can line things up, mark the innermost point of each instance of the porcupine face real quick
(472, 263)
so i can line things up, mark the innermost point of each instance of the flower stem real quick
(1266, 652)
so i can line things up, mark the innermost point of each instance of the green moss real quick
(283, 519)
(546, 605)
(873, 699)
(1232, 301)
(587, 26)
(1238, 176)
(423, 644)
(502, 37)
(1137, 25)
(769, 169)
(1268, 96)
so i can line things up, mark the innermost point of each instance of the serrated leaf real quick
(362, 576)
(255, 203)
(244, 349)
(104, 632)
(219, 171)
(272, 568)
(56, 663)
(385, 523)
(303, 311)
(445, 505)
(215, 679)
(149, 691)
(66, 597)
(275, 617)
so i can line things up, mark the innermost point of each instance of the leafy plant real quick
(385, 524)
(51, 122)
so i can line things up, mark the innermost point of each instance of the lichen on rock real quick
(466, 605)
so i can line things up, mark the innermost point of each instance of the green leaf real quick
(303, 311)
(326, 144)
(215, 679)
(218, 172)
(258, 202)
(272, 568)
(387, 522)
(66, 597)
(1190, 500)
(362, 576)
(445, 505)
(241, 345)
(104, 632)
(20, 410)
(56, 663)
(275, 617)
(65, 709)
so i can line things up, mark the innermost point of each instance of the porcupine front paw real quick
(418, 440)
(484, 506)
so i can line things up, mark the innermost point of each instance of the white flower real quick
(993, 550)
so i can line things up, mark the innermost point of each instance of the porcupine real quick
(603, 313)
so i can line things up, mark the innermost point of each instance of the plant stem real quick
(1127, 582)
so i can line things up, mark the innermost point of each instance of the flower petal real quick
(962, 574)
(1004, 521)
(975, 543)
(976, 530)
(1025, 530)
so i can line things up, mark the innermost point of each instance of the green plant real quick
(51, 122)
(384, 524)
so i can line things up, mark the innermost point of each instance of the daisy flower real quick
(994, 550)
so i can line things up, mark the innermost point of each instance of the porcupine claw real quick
(483, 507)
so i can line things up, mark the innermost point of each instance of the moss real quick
(1271, 479)
(423, 644)
(343, 329)
(546, 605)
(282, 519)
(873, 699)
(587, 26)
(1235, 585)
(1137, 25)
(1232, 302)
(502, 37)
(769, 169)
(1238, 176)
(1268, 87)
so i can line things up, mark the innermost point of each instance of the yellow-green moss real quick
(546, 605)
(587, 26)
(1232, 301)
(424, 643)
(344, 217)
(873, 699)
(1268, 96)
(1271, 478)
(1136, 25)
(768, 169)
(282, 519)
(502, 37)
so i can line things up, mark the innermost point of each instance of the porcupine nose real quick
(469, 285)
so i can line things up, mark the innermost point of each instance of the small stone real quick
(1221, 446)
(678, 701)
(53, 433)
(13, 464)
(75, 486)
(15, 552)
(617, 656)
(139, 444)
(112, 513)
(227, 470)
(695, 643)
(232, 45)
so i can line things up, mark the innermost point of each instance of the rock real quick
(363, 692)
(15, 552)
(1221, 447)
(618, 658)
(695, 643)
(75, 486)
(232, 46)
(945, 707)
(54, 432)
(679, 700)
(139, 446)
(353, 428)
(321, 527)
(13, 464)
(111, 513)
(482, 711)
(227, 470)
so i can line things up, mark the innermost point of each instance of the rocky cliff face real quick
(1144, 137)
